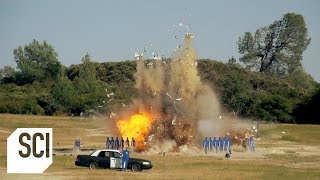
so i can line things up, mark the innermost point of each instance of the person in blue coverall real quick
(225, 142)
(220, 142)
(251, 143)
(215, 144)
(229, 144)
(205, 145)
(210, 144)
(125, 159)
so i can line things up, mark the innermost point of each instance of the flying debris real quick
(109, 95)
(169, 95)
(189, 35)
(112, 115)
(179, 99)
(138, 56)
(150, 137)
(173, 122)
(157, 57)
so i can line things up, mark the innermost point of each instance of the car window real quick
(102, 154)
(117, 155)
(107, 154)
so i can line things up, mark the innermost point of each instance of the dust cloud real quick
(182, 108)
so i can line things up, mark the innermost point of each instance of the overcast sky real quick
(115, 30)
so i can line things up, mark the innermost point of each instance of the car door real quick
(115, 160)
(104, 159)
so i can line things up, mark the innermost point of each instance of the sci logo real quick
(29, 150)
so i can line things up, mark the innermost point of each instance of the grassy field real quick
(294, 154)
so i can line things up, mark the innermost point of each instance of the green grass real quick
(294, 158)
(303, 134)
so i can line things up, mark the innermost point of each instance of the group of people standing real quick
(220, 144)
(119, 144)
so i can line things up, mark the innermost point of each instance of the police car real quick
(112, 159)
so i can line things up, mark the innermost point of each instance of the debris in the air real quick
(169, 95)
(109, 95)
(189, 35)
(112, 115)
(138, 56)
(157, 57)
(150, 137)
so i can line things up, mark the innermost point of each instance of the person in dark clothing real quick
(112, 143)
(133, 143)
(116, 143)
(122, 143)
(127, 142)
(108, 143)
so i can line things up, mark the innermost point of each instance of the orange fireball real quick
(138, 127)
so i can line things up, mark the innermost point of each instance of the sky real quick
(115, 30)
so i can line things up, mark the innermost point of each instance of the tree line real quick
(267, 82)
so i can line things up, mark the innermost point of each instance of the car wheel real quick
(136, 167)
(93, 165)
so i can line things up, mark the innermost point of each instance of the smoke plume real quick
(181, 107)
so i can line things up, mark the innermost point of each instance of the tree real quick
(301, 79)
(276, 48)
(7, 71)
(234, 92)
(88, 88)
(6, 74)
(232, 60)
(39, 61)
(63, 92)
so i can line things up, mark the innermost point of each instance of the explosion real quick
(180, 108)
(137, 127)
